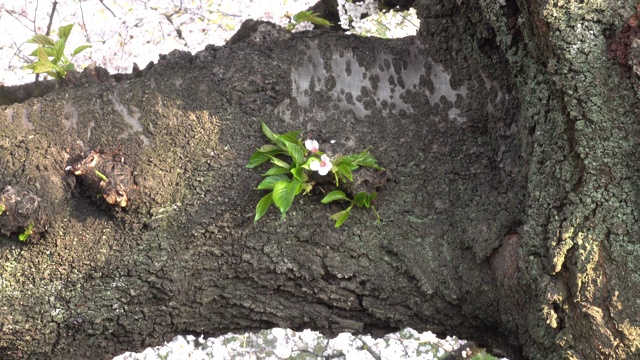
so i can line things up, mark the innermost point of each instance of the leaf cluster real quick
(307, 16)
(28, 230)
(288, 175)
(50, 55)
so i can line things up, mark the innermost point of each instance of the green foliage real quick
(27, 231)
(289, 174)
(50, 54)
(307, 16)
(101, 176)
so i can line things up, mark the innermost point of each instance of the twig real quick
(106, 7)
(35, 16)
(15, 16)
(409, 21)
(366, 346)
(53, 11)
(84, 24)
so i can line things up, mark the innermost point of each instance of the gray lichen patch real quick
(381, 83)
(130, 118)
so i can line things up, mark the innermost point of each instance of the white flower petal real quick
(315, 165)
(311, 145)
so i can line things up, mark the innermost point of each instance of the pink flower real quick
(312, 146)
(323, 166)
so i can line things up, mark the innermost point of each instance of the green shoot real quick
(101, 176)
(50, 55)
(307, 16)
(292, 163)
(27, 231)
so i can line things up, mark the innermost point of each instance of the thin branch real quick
(367, 347)
(53, 11)
(408, 20)
(106, 7)
(14, 15)
(84, 24)
(35, 16)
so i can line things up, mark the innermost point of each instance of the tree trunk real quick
(510, 135)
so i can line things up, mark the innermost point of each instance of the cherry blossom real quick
(312, 146)
(323, 166)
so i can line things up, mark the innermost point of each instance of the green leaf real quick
(65, 31)
(80, 49)
(296, 152)
(47, 50)
(363, 199)
(27, 231)
(42, 55)
(291, 136)
(343, 169)
(58, 50)
(270, 181)
(259, 156)
(366, 159)
(1, 209)
(299, 173)
(283, 194)
(269, 134)
(268, 148)
(277, 162)
(263, 206)
(41, 40)
(276, 170)
(42, 67)
(311, 17)
(341, 216)
(333, 196)
(256, 159)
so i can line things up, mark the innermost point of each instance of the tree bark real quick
(510, 135)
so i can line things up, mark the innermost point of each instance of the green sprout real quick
(50, 54)
(27, 231)
(292, 162)
(361, 199)
(1, 209)
(101, 176)
(307, 16)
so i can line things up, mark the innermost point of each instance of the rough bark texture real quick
(510, 133)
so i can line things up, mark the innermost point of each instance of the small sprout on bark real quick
(101, 176)
(306, 16)
(27, 231)
(296, 168)
(1, 209)
(114, 183)
(50, 54)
